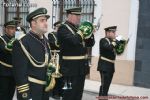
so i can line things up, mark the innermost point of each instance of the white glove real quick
(119, 37)
(19, 28)
(19, 35)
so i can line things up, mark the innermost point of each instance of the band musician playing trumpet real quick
(73, 42)
(110, 46)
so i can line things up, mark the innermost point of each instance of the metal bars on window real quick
(59, 7)
(14, 8)
(1, 16)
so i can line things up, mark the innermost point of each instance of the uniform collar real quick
(35, 35)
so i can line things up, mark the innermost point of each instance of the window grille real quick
(14, 8)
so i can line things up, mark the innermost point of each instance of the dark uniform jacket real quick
(106, 51)
(5, 56)
(71, 44)
(53, 41)
(23, 69)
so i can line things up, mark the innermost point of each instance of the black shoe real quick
(56, 97)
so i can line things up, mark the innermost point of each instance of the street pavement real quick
(91, 90)
(86, 96)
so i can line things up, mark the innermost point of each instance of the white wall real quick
(133, 29)
(116, 12)
(98, 16)
(1, 17)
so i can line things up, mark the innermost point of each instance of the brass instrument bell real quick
(120, 45)
(86, 28)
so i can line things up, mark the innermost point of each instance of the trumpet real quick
(53, 71)
(56, 74)
(50, 81)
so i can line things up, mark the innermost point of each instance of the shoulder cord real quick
(3, 63)
(83, 43)
(32, 58)
(69, 29)
(108, 40)
(56, 42)
(3, 40)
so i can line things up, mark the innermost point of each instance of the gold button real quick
(24, 95)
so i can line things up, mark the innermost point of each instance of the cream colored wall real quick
(116, 12)
(124, 72)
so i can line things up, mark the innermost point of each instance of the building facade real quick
(130, 16)
(132, 20)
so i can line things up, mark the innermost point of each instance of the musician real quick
(107, 59)
(53, 41)
(31, 55)
(18, 22)
(52, 37)
(74, 64)
(7, 82)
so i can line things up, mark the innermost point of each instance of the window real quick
(14, 8)
(59, 7)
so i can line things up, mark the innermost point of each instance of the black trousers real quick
(106, 78)
(7, 87)
(77, 88)
(58, 91)
(38, 92)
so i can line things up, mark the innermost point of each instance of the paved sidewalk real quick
(118, 90)
(91, 90)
